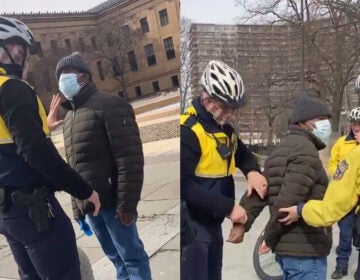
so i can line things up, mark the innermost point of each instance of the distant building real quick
(132, 46)
(269, 60)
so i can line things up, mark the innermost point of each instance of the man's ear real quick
(84, 78)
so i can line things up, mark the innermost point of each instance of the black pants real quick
(357, 272)
(50, 255)
(202, 258)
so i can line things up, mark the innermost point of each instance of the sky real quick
(27, 6)
(210, 11)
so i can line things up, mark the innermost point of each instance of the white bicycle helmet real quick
(223, 83)
(357, 85)
(354, 114)
(14, 30)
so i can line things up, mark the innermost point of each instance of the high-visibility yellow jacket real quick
(338, 200)
(206, 178)
(211, 164)
(341, 148)
(5, 136)
(28, 158)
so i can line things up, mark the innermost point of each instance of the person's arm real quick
(341, 195)
(253, 205)
(246, 161)
(19, 109)
(126, 149)
(191, 192)
(298, 182)
(334, 158)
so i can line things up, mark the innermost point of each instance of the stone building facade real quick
(132, 46)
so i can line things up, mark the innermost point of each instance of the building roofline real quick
(95, 11)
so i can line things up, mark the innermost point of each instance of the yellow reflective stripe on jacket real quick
(5, 136)
(341, 195)
(338, 152)
(211, 164)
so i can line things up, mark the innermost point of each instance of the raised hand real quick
(52, 118)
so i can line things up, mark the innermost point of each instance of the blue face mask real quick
(69, 85)
(322, 131)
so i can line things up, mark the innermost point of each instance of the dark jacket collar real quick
(350, 136)
(81, 97)
(294, 129)
(207, 120)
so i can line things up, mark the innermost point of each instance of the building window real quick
(100, 70)
(169, 47)
(144, 25)
(37, 49)
(150, 55)
(93, 42)
(116, 67)
(109, 39)
(163, 17)
(68, 44)
(53, 46)
(125, 31)
(138, 91)
(132, 61)
(175, 81)
(81, 44)
(155, 85)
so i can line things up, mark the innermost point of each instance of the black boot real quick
(339, 273)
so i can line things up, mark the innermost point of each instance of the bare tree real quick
(119, 45)
(185, 87)
(41, 73)
(331, 41)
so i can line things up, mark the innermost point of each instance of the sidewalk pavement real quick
(158, 217)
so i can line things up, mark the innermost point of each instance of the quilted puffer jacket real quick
(295, 174)
(102, 143)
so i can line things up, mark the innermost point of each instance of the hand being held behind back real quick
(236, 234)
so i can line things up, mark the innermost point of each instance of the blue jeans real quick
(303, 268)
(121, 244)
(51, 254)
(343, 250)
